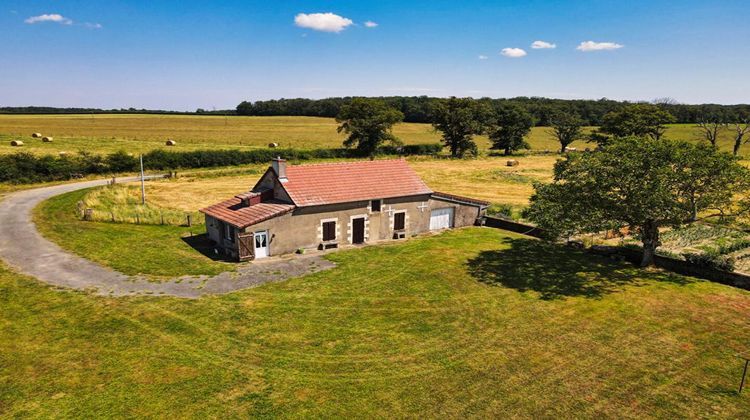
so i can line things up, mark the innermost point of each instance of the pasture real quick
(107, 133)
(503, 326)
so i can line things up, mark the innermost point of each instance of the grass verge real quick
(130, 249)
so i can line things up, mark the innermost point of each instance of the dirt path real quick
(24, 249)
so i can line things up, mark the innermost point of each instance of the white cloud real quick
(326, 22)
(483, 57)
(513, 52)
(51, 17)
(598, 46)
(542, 45)
(371, 24)
(93, 25)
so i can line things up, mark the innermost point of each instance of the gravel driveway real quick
(24, 249)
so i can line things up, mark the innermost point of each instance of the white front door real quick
(261, 244)
(441, 218)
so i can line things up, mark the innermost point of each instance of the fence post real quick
(111, 213)
(137, 219)
(189, 220)
(162, 218)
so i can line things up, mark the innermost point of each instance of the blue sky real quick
(182, 55)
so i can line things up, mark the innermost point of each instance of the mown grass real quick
(142, 133)
(504, 326)
(131, 249)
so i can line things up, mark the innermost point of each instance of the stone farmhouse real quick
(323, 206)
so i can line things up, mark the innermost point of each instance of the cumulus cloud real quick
(371, 24)
(598, 46)
(542, 45)
(326, 22)
(513, 52)
(483, 57)
(50, 17)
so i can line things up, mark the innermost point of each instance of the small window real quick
(329, 231)
(375, 205)
(399, 221)
(229, 232)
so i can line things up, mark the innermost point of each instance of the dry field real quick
(487, 179)
(142, 133)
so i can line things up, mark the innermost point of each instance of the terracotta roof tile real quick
(329, 183)
(233, 212)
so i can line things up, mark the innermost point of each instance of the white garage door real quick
(441, 218)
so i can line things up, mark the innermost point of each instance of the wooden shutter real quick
(329, 231)
(399, 221)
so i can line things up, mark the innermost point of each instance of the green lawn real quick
(132, 249)
(502, 326)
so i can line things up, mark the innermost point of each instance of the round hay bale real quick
(571, 149)
(511, 162)
(16, 143)
(273, 145)
(62, 153)
(47, 139)
(170, 142)
(36, 135)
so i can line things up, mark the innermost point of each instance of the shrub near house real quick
(327, 205)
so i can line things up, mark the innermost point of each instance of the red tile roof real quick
(233, 212)
(329, 183)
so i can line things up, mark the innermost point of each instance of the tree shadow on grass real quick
(205, 246)
(555, 271)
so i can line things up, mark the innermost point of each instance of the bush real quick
(711, 260)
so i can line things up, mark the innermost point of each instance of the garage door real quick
(441, 218)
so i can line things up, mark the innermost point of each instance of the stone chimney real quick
(279, 165)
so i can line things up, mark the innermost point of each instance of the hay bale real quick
(170, 142)
(273, 145)
(511, 162)
(62, 153)
(16, 143)
(36, 135)
(47, 139)
(571, 149)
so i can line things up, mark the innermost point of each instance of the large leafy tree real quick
(637, 182)
(509, 127)
(368, 123)
(459, 120)
(638, 120)
(566, 128)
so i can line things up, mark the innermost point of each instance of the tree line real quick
(420, 109)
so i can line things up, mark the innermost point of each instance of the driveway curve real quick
(24, 249)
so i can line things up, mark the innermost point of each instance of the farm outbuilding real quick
(322, 206)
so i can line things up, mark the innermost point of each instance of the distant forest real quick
(418, 108)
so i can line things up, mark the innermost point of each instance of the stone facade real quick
(302, 228)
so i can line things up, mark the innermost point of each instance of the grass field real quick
(486, 178)
(503, 326)
(131, 249)
(142, 133)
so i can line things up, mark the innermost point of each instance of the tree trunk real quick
(562, 149)
(737, 142)
(507, 151)
(650, 238)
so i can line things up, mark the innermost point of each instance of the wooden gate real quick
(245, 243)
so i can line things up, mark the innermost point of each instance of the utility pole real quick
(143, 184)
